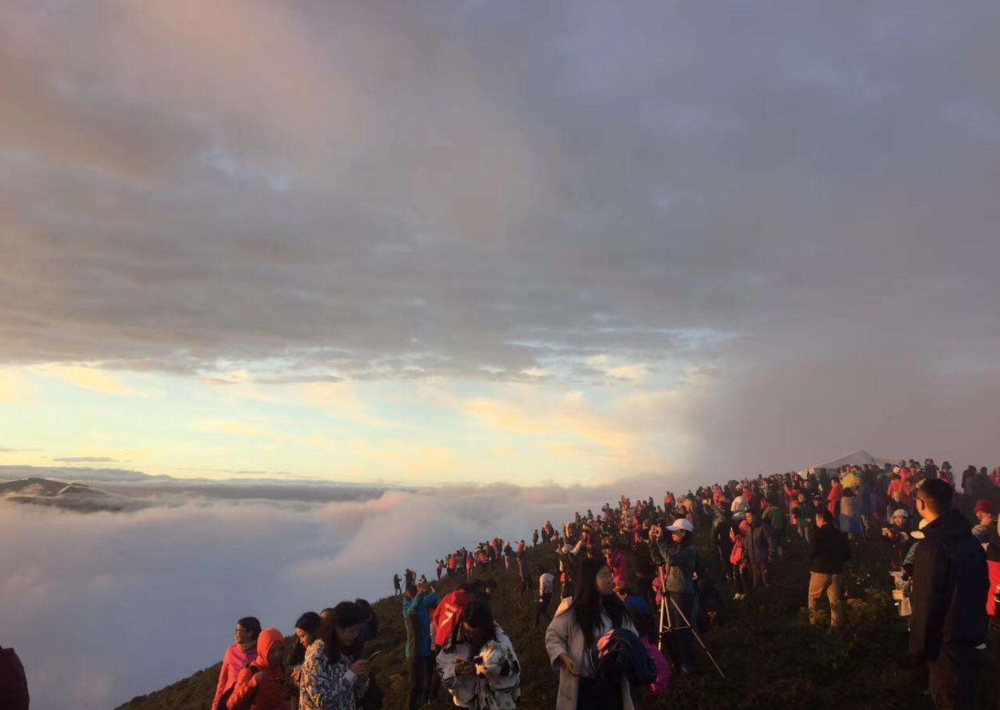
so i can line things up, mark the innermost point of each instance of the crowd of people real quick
(632, 594)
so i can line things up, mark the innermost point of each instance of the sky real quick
(524, 241)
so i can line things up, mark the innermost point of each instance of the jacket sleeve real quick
(223, 681)
(430, 601)
(318, 682)
(462, 688)
(814, 548)
(929, 602)
(243, 694)
(557, 638)
(411, 606)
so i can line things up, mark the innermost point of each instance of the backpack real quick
(13, 682)
(736, 556)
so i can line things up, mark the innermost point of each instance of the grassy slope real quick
(771, 656)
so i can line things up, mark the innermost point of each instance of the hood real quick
(267, 639)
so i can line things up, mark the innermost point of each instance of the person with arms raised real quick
(418, 603)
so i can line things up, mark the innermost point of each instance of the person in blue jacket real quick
(418, 602)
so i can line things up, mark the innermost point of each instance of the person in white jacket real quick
(739, 508)
(478, 664)
(579, 623)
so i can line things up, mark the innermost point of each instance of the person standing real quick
(721, 527)
(478, 664)
(681, 559)
(579, 624)
(827, 556)
(522, 573)
(950, 582)
(419, 602)
(395, 584)
(546, 582)
(327, 679)
(804, 512)
(238, 656)
(774, 522)
(261, 685)
(757, 551)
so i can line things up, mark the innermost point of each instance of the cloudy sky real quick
(519, 240)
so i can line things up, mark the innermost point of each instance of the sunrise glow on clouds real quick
(340, 241)
(426, 431)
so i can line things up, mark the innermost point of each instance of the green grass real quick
(770, 654)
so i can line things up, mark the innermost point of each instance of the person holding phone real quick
(328, 680)
(478, 664)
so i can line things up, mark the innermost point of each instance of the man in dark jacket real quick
(721, 527)
(827, 556)
(950, 582)
(757, 549)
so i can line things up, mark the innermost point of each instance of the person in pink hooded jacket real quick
(261, 685)
(238, 656)
(836, 494)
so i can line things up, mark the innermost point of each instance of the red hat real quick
(986, 506)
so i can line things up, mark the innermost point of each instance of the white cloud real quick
(91, 378)
(138, 600)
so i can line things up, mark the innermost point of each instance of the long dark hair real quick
(345, 614)
(588, 604)
(478, 615)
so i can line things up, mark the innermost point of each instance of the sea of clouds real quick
(106, 606)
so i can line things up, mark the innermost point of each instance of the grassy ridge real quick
(772, 657)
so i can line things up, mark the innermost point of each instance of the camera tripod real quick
(667, 625)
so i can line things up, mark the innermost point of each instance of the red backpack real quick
(13, 683)
(447, 614)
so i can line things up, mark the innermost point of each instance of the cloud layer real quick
(103, 607)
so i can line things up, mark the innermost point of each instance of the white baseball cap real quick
(681, 524)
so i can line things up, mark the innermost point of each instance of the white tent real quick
(858, 458)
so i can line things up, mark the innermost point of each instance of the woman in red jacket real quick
(261, 686)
